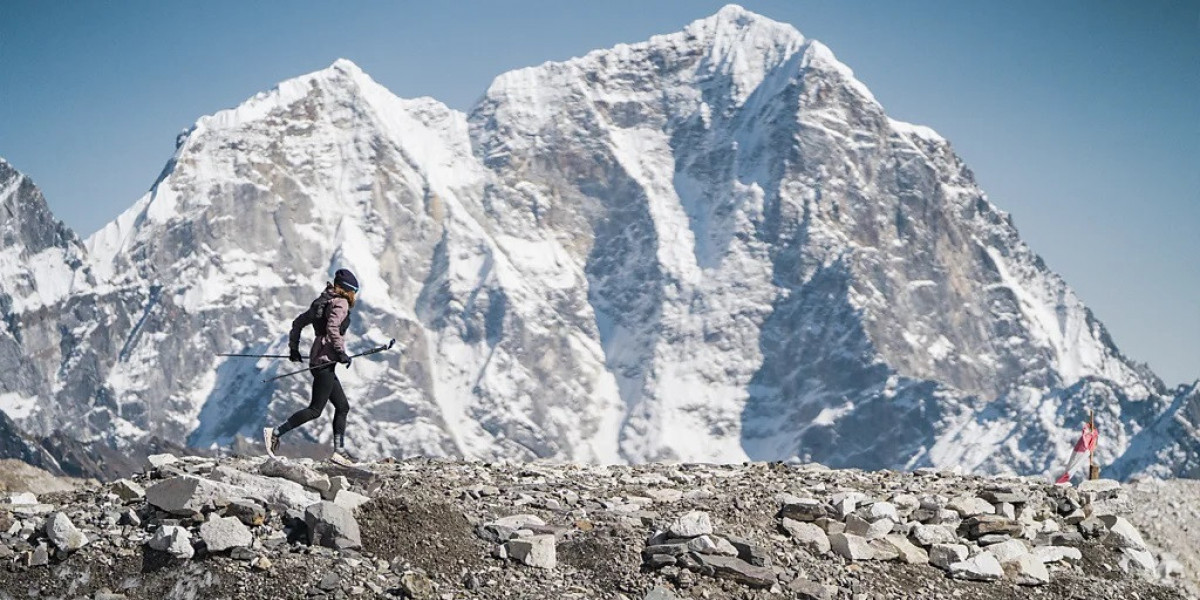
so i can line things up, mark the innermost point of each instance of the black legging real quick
(326, 388)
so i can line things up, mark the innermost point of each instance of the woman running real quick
(329, 315)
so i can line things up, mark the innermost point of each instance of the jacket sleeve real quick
(298, 324)
(338, 310)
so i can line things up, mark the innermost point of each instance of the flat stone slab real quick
(736, 569)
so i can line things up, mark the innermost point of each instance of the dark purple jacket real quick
(329, 315)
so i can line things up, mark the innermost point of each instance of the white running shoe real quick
(270, 440)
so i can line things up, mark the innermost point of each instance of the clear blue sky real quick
(1081, 118)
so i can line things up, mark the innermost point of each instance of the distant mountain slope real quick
(710, 246)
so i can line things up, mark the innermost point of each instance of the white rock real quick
(275, 467)
(971, 506)
(928, 535)
(155, 461)
(270, 491)
(350, 500)
(1136, 560)
(1049, 554)
(223, 533)
(981, 567)
(695, 523)
(908, 552)
(535, 551)
(1027, 570)
(63, 534)
(809, 536)
(872, 531)
(710, 544)
(1008, 551)
(174, 540)
(944, 555)
(21, 498)
(851, 546)
(1122, 533)
(878, 511)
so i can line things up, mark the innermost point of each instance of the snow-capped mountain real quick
(710, 246)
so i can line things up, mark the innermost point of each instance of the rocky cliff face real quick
(710, 246)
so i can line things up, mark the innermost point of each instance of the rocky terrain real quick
(246, 528)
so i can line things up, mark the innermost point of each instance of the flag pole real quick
(1093, 468)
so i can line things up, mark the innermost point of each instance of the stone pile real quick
(1003, 532)
(690, 542)
(190, 507)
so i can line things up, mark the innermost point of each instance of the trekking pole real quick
(260, 355)
(375, 350)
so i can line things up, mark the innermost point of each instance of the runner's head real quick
(346, 284)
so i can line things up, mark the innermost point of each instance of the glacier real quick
(710, 246)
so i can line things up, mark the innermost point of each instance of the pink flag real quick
(1086, 443)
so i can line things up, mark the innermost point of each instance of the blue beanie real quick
(345, 280)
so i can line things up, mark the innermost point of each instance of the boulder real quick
(275, 467)
(1009, 551)
(1122, 533)
(63, 533)
(1137, 560)
(944, 555)
(247, 511)
(878, 511)
(856, 525)
(127, 490)
(270, 491)
(809, 535)
(928, 535)
(906, 551)
(803, 509)
(185, 494)
(971, 506)
(981, 567)
(157, 461)
(224, 533)
(350, 500)
(853, 547)
(336, 484)
(534, 551)
(736, 569)
(173, 540)
(710, 544)
(331, 526)
(1027, 569)
(693, 524)
(750, 552)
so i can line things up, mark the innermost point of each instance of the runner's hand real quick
(294, 355)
